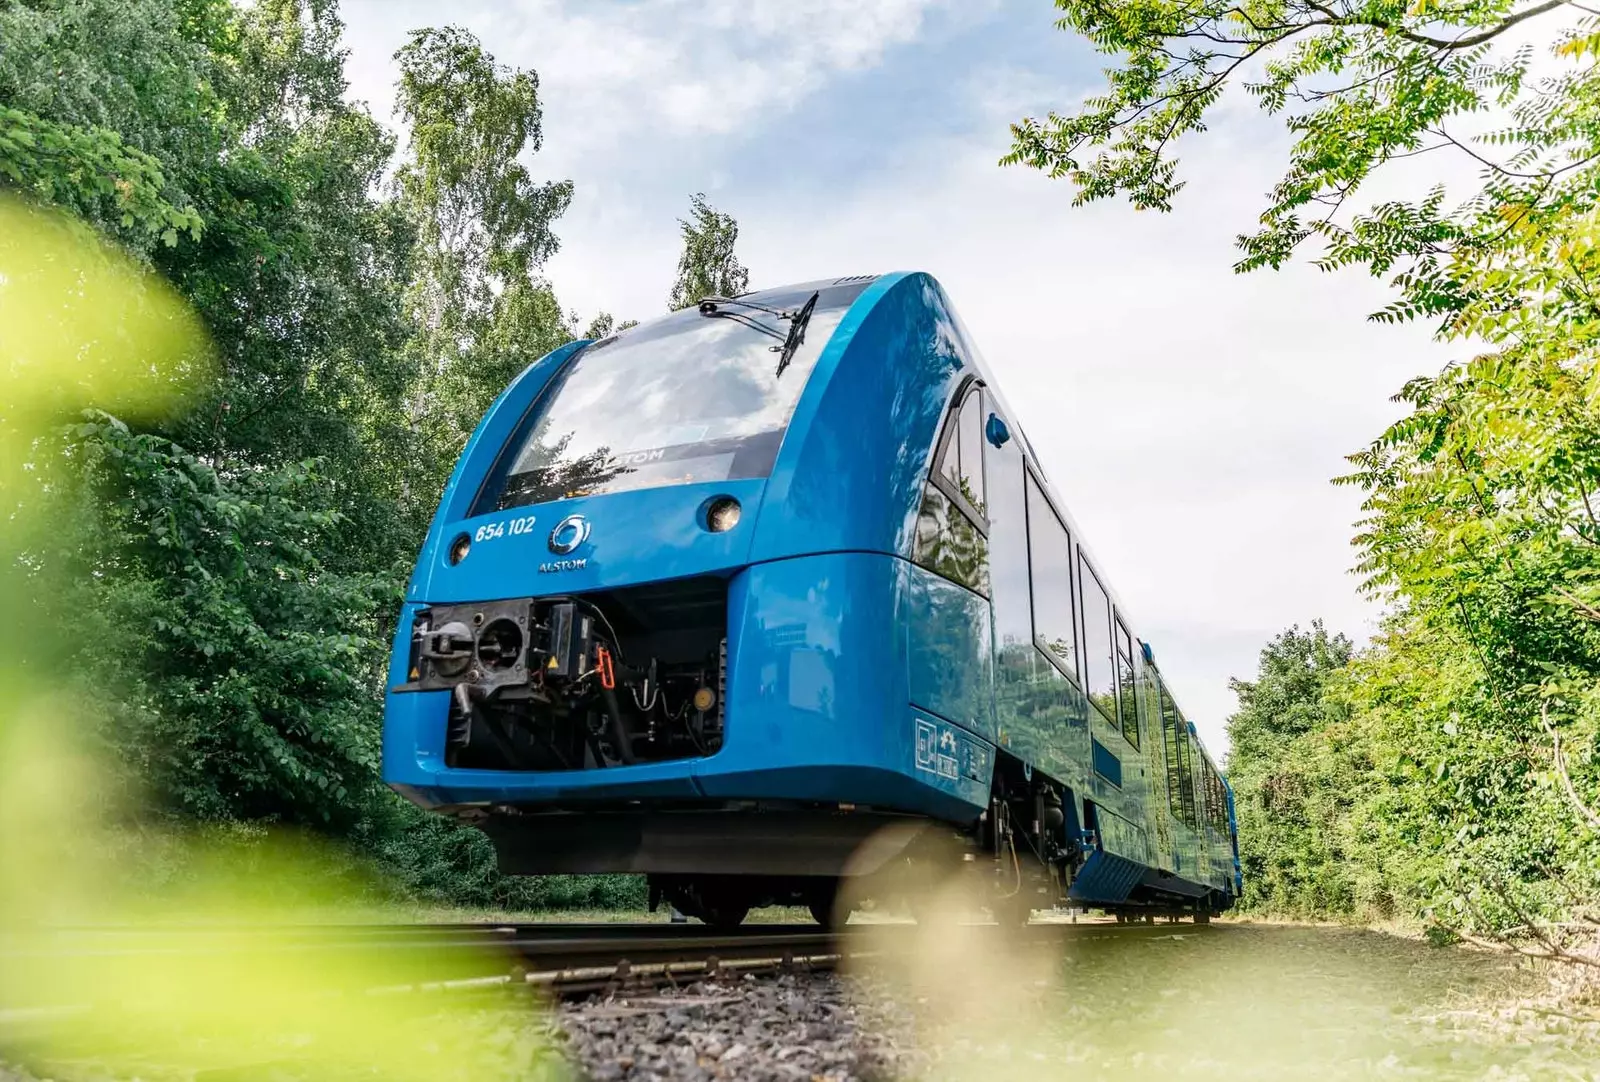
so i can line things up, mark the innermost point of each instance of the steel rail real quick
(572, 963)
(530, 938)
(564, 959)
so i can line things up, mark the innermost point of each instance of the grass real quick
(1243, 1001)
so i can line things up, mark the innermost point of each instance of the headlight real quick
(722, 514)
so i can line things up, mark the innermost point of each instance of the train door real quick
(948, 625)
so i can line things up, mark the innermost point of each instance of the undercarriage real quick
(717, 862)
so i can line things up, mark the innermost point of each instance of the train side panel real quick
(1115, 770)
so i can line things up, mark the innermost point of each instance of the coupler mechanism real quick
(546, 684)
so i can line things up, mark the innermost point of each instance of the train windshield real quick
(684, 399)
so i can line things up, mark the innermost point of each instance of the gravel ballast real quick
(1232, 1003)
(794, 1027)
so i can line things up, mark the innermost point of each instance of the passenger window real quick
(1127, 685)
(1216, 800)
(951, 537)
(1169, 733)
(1099, 673)
(1209, 784)
(1180, 779)
(960, 471)
(1050, 567)
(1186, 773)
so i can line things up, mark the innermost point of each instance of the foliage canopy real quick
(231, 568)
(1479, 523)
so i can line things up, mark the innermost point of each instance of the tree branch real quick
(1588, 814)
(1580, 906)
(1502, 170)
(1441, 44)
(1540, 932)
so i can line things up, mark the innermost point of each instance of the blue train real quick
(771, 595)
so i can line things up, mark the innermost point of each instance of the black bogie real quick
(723, 901)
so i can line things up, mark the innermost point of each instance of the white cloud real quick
(684, 68)
(635, 90)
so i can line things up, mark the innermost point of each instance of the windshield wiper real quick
(797, 319)
(797, 334)
(713, 306)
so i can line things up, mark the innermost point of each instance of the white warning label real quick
(938, 749)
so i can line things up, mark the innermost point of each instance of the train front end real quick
(654, 625)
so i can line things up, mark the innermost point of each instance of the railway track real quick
(578, 960)
(563, 960)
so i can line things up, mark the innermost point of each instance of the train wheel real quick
(824, 900)
(723, 915)
(714, 902)
(1012, 911)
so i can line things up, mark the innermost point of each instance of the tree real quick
(222, 567)
(101, 101)
(708, 266)
(483, 231)
(235, 550)
(1480, 523)
(1361, 84)
(1288, 861)
(1286, 698)
(604, 325)
(231, 668)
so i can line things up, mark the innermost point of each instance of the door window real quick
(952, 530)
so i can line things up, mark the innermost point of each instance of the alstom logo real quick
(562, 565)
(569, 533)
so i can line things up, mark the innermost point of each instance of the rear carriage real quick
(763, 596)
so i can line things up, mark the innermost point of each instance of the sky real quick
(1190, 418)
